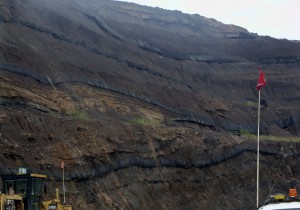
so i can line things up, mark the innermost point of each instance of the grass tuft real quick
(250, 104)
(269, 138)
(80, 115)
(145, 121)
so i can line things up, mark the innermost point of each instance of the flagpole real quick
(64, 192)
(260, 83)
(257, 171)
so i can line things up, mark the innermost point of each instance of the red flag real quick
(261, 80)
(62, 165)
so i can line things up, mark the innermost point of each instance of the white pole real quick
(64, 185)
(257, 171)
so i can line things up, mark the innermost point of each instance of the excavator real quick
(23, 191)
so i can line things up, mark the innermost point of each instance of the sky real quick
(276, 18)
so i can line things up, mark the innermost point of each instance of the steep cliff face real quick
(147, 107)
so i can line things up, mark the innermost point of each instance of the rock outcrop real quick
(148, 108)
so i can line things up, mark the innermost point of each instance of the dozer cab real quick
(24, 191)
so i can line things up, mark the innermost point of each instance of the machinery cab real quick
(29, 187)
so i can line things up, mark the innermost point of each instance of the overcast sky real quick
(276, 18)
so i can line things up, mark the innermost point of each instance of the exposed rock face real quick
(143, 104)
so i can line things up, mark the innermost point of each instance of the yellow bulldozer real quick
(24, 191)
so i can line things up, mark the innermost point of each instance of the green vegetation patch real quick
(250, 104)
(80, 115)
(145, 121)
(269, 138)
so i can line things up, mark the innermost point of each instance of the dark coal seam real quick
(202, 121)
(22, 71)
(60, 37)
(21, 102)
(150, 163)
(104, 27)
(184, 57)
(154, 73)
(137, 161)
(281, 60)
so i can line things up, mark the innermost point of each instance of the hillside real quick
(149, 108)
